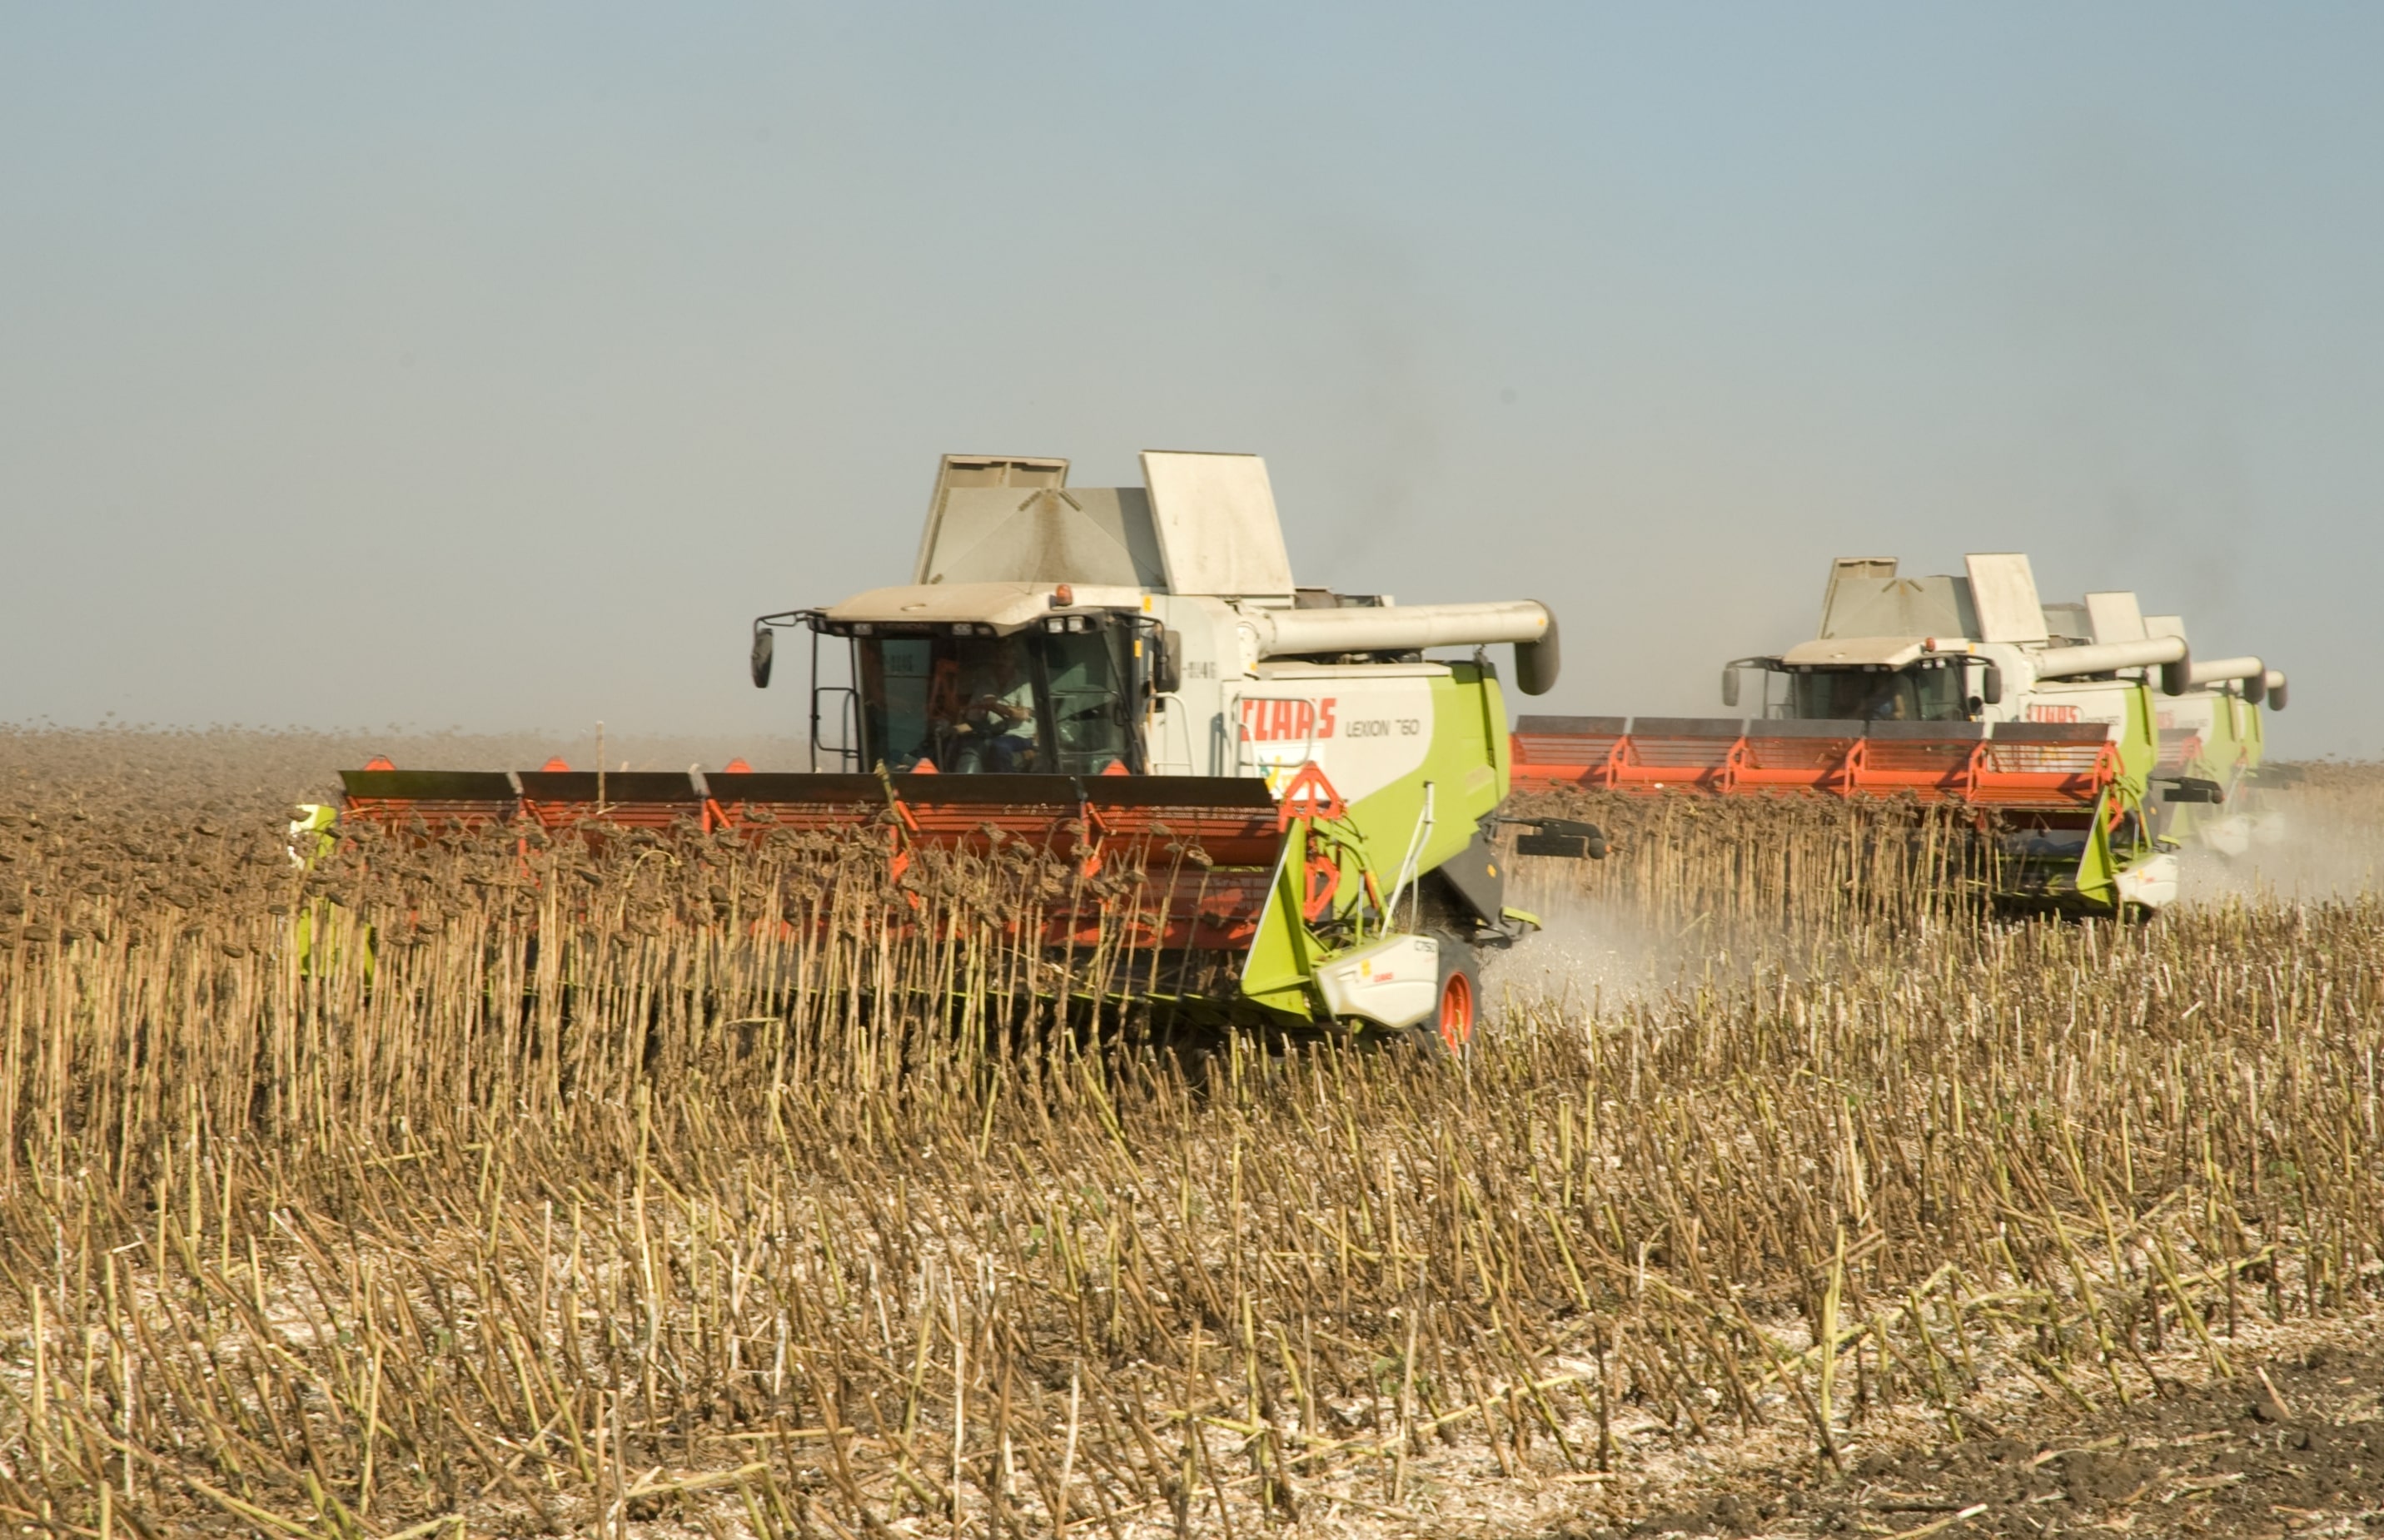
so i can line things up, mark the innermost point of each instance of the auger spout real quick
(1412, 628)
(2107, 657)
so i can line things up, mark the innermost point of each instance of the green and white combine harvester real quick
(2081, 739)
(2212, 740)
(1301, 805)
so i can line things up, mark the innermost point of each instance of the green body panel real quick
(2229, 756)
(1283, 956)
(2119, 835)
(2138, 742)
(325, 933)
(2096, 880)
(1465, 765)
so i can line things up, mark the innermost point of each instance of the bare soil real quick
(2293, 1445)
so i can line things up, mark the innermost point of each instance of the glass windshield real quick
(1050, 702)
(1925, 692)
(1089, 720)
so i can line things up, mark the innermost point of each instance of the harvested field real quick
(670, 1188)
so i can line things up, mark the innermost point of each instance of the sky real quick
(493, 366)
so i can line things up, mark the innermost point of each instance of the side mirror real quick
(1167, 664)
(1730, 685)
(766, 646)
(1990, 684)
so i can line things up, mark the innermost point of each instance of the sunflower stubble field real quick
(664, 1187)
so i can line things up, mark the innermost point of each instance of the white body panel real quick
(1362, 730)
(1889, 652)
(2115, 616)
(1366, 726)
(1393, 982)
(2151, 882)
(1215, 519)
(2003, 593)
(2062, 700)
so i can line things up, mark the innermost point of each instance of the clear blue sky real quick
(493, 365)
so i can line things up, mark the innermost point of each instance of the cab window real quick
(1036, 702)
(1929, 691)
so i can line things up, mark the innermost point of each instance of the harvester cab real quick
(1949, 689)
(1270, 791)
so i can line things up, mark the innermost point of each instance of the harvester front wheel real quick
(1449, 1031)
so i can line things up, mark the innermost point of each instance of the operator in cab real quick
(1888, 700)
(993, 731)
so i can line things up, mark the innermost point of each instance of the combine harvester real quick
(2212, 738)
(1951, 691)
(1128, 679)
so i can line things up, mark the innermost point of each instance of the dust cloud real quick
(2316, 835)
(1593, 952)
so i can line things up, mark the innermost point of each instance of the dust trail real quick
(1593, 952)
(2316, 833)
(1586, 954)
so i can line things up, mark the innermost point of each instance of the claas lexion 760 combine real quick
(2084, 738)
(1123, 678)
(2211, 739)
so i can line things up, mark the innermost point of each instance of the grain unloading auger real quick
(1964, 691)
(1265, 793)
